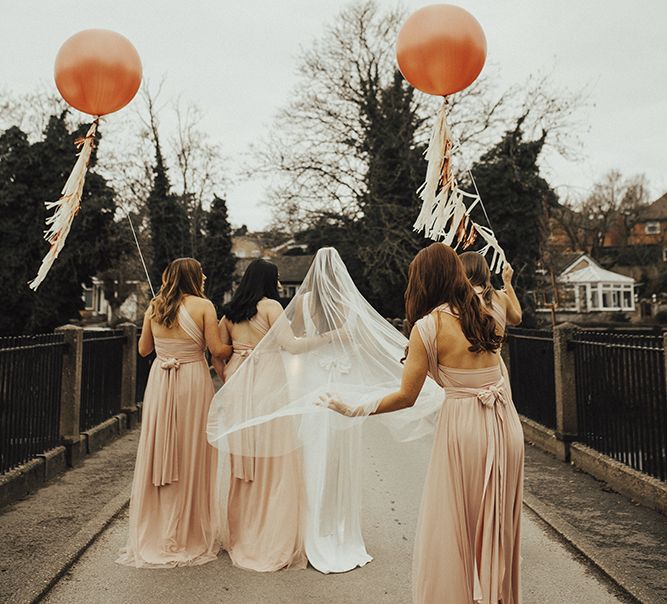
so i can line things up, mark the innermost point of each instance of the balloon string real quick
(139, 249)
(474, 184)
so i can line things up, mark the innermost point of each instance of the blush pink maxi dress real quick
(266, 498)
(468, 532)
(173, 515)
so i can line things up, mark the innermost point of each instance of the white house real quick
(591, 288)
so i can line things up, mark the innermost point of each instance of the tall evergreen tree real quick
(378, 244)
(390, 204)
(516, 197)
(216, 252)
(168, 221)
(31, 175)
(21, 229)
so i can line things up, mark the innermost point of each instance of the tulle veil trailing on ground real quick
(329, 340)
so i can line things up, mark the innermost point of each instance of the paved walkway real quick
(628, 540)
(394, 477)
(40, 533)
(53, 525)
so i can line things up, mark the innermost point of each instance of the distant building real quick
(595, 289)
(96, 306)
(291, 272)
(290, 257)
(651, 228)
(579, 286)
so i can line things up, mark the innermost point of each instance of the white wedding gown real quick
(329, 340)
(332, 470)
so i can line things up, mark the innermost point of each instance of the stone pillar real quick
(70, 393)
(566, 394)
(129, 374)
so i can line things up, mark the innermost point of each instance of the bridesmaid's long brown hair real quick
(436, 276)
(479, 274)
(182, 276)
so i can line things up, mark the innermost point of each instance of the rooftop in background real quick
(290, 257)
(655, 211)
(585, 270)
(265, 245)
(292, 269)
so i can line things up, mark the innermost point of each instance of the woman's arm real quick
(146, 342)
(285, 335)
(214, 342)
(512, 304)
(219, 362)
(412, 381)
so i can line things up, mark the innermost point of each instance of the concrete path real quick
(552, 574)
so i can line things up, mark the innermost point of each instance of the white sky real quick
(237, 60)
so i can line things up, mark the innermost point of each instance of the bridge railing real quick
(30, 388)
(531, 355)
(604, 389)
(620, 390)
(101, 378)
(55, 386)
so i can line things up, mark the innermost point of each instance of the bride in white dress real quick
(329, 340)
(333, 540)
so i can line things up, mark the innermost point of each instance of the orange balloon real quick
(441, 49)
(98, 71)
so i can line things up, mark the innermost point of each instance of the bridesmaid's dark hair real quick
(436, 276)
(260, 280)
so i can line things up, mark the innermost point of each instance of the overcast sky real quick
(237, 60)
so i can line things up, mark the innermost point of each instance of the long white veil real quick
(329, 340)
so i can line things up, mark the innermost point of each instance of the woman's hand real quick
(508, 273)
(331, 402)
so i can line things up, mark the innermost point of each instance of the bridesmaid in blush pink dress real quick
(468, 532)
(264, 508)
(173, 516)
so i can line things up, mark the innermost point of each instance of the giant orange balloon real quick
(98, 71)
(441, 49)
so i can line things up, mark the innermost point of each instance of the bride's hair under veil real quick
(329, 340)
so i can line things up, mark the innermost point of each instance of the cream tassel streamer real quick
(67, 207)
(444, 205)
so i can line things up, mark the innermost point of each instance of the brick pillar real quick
(566, 394)
(70, 393)
(129, 373)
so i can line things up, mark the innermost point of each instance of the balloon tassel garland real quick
(446, 208)
(440, 50)
(67, 207)
(98, 72)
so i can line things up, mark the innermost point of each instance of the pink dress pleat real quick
(173, 515)
(468, 532)
(265, 503)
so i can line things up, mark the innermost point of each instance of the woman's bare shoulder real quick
(267, 304)
(197, 305)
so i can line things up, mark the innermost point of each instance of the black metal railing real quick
(621, 399)
(101, 376)
(532, 374)
(30, 385)
(143, 370)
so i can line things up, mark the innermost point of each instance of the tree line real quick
(34, 165)
(345, 156)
